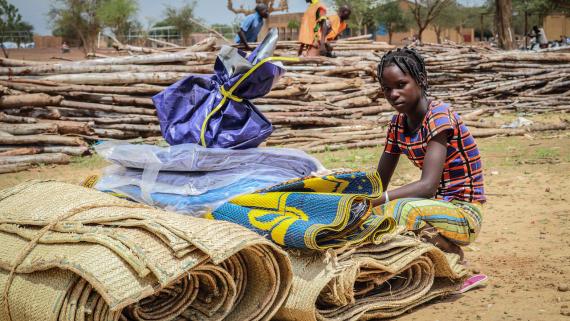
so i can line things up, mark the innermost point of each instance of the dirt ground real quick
(524, 246)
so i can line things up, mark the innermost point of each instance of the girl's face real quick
(400, 89)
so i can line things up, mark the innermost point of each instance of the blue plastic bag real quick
(215, 111)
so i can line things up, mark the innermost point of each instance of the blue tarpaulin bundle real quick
(215, 111)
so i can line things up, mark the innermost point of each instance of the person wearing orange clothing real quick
(337, 23)
(313, 29)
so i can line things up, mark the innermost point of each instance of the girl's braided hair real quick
(409, 61)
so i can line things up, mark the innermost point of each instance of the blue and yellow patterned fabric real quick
(313, 213)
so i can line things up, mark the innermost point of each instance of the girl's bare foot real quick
(430, 235)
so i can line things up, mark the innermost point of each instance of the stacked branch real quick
(320, 104)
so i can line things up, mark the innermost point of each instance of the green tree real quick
(362, 16)
(68, 33)
(425, 11)
(226, 30)
(450, 17)
(393, 18)
(11, 25)
(541, 7)
(293, 24)
(77, 18)
(478, 18)
(183, 19)
(119, 16)
(528, 13)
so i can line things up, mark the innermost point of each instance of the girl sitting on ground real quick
(444, 205)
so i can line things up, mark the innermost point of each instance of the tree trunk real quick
(31, 150)
(4, 50)
(118, 78)
(355, 102)
(51, 158)
(28, 129)
(122, 90)
(66, 127)
(92, 39)
(420, 32)
(41, 139)
(437, 33)
(29, 100)
(83, 41)
(17, 119)
(19, 151)
(18, 63)
(390, 33)
(108, 108)
(503, 19)
(75, 69)
(13, 168)
(360, 24)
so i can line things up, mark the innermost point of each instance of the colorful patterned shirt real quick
(462, 177)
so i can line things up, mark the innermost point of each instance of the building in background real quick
(44, 42)
(286, 23)
(556, 25)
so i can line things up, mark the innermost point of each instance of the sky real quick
(151, 11)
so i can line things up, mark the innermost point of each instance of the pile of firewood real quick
(50, 111)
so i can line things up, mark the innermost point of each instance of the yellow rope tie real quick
(229, 94)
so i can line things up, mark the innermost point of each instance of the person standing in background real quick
(251, 26)
(338, 23)
(312, 32)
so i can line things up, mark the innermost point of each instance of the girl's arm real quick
(427, 186)
(386, 167)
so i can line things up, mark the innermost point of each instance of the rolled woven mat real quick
(370, 281)
(79, 254)
(315, 212)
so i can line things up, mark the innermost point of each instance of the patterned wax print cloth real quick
(313, 213)
(459, 222)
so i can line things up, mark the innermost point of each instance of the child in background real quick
(445, 204)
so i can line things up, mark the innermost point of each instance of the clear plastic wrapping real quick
(191, 179)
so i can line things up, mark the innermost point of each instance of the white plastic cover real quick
(195, 180)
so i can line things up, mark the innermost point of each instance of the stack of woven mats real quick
(70, 253)
(348, 263)
(369, 281)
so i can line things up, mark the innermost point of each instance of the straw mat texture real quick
(370, 281)
(71, 253)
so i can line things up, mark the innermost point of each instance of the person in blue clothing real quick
(251, 26)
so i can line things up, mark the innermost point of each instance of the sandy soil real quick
(524, 246)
